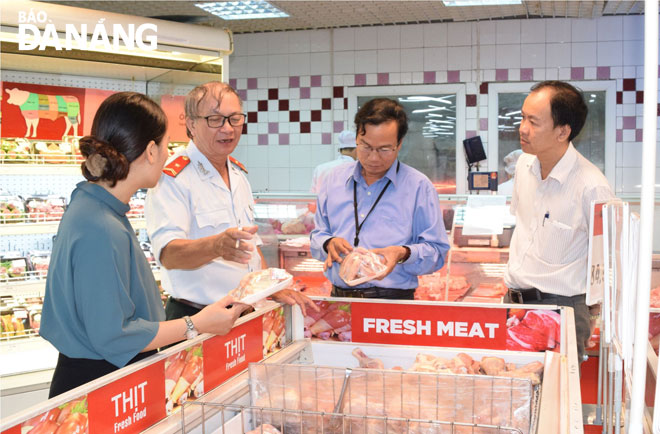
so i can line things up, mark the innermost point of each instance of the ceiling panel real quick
(342, 13)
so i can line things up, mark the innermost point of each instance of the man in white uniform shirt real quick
(347, 154)
(200, 216)
(553, 189)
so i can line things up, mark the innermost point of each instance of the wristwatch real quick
(406, 256)
(191, 331)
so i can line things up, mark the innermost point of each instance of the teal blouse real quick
(102, 301)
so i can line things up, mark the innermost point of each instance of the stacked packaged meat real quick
(14, 266)
(12, 208)
(53, 152)
(487, 392)
(43, 208)
(332, 321)
(136, 204)
(15, 151)
(20, 316)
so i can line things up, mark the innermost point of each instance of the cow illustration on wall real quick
(35, 106)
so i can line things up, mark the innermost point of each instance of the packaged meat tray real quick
(53, 152)
(15, 151)
(12, 209)
(13, 267)
(258, 285)
(360, 266)
(43, 208)
(40, 260)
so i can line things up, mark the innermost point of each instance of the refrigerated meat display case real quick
(233, 383)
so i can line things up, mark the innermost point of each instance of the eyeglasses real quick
(218, 121)
(385, 151)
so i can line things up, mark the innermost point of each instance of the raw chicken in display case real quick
(43, 208)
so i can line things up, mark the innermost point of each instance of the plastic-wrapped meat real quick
(489, 290)
(258, 281)
(264, 429)
(655, 297)
(366, 361)
(360, 266)
(432, 287)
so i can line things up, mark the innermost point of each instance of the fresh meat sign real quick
(468, 327)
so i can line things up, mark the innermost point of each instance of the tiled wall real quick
(295, 83)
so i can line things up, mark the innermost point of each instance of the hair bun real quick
(102, 160)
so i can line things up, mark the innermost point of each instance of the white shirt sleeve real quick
(168, 214)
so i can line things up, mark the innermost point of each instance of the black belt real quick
(529, 295)
(371, 292)
(188, 303)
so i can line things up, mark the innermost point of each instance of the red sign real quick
(173, 106)
(598, 219)
(41, 112)
(131, 404)
(225, 356)
(446, 326)
(13, 430)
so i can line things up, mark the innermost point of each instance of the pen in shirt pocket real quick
(545, 217)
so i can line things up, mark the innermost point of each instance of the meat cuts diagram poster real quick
(41, 112)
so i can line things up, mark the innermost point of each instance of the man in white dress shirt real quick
(347, 154)
(200, 216)
(553, 189)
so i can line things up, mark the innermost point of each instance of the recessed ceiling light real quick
(481, 2)
(243, 10)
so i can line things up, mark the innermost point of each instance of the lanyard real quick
(358, 226)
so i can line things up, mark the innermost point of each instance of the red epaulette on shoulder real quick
(238, 164)
(176, 166)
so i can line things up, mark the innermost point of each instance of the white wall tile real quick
(405, 78)
(508, 31)
(435, 35)
(532, 31)
(489, 75)
(610, 53)
(584, 54)
(539, 74)
(417, 77)
(278, 65)
(299, 64)
(278, 43)
(319, 63)
(344, 63)
(632, 155)
(557, 55)
(343, 39)
(240, 45)
(610, 28)
(459, 58)
(367, 61)
(590, 73)
(532, 55)
(552, 73)
(633, 28)
(238, 66)
(299, 42)
(629, 71)
(319, 40)
(435, 58)
(300, 179)
(257, 44)
(300, 156)
(395, 78)
(616, 72)
(564, 74)
(389, 60)
(508, 56)
(633, 53)
(278, 156)
(257, 156)
(459, 34)
(487, 31)
(257, 66)
(584, 30)
(321, 154)
(412, 59)
(558, 30)
(412, 36)
(278, 179)
(258, 177)
(366, 38)
(487, 56)
(389, 37)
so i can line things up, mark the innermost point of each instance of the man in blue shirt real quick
(380, 204)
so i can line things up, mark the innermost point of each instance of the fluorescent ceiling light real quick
(481, 2)
(242, 10)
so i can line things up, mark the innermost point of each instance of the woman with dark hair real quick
(102, 308)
